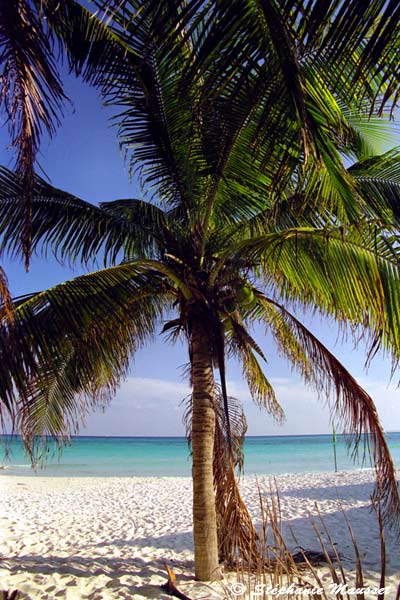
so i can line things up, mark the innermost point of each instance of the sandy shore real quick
(88, 538)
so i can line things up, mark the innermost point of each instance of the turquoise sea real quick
(169, 456)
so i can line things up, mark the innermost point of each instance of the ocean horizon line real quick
(182, 437)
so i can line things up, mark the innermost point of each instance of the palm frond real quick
(243, 101)
(89, 43)
(262, 392)
(73, 344)
(286, 339)
(77, 230)
(127, 59)
(352, 275)
(349, 403)
(307, 87)
(378, 179)
(6, 303)
(6, 317)
(360, 40)
(369, 135)
(31, 93)
(237, 537)
(284, 46)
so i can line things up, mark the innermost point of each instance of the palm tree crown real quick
(238, 118)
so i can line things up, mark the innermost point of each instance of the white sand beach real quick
(95, 539)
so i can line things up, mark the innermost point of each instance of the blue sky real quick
(84, 159)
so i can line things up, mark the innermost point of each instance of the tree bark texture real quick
(203, 430)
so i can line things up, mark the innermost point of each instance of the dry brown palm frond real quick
(6, 303)
(170, 586)
(7, 317)
(237, 536)
(236, 533)
(31, 92)
(353, 408)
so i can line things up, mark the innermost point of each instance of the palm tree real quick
(238, 117)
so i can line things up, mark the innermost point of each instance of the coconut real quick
(245, 295)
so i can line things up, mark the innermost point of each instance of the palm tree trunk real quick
(203, 430)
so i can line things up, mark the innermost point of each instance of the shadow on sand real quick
(140, 578)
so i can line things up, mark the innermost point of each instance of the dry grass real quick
(279, 573)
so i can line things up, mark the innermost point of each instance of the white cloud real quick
(387, 400)
(152, 407)
(142, 406)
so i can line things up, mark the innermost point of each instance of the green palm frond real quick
(327, 181)
(315, 201)
(349, 403)
(73, 344)
(142, 80)
(306, 89)
(360, 41)
(233, 122)
(89, 43)
(262, 392)
(283, 45)
(43, 414)
(351, 275)
(77, 230)
(304, 81)
(369, 135)
(386, 165)
(346, 35)
(286, 339)
(378, 179)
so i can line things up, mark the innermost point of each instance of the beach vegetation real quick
(255, 129)
(285, 569)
